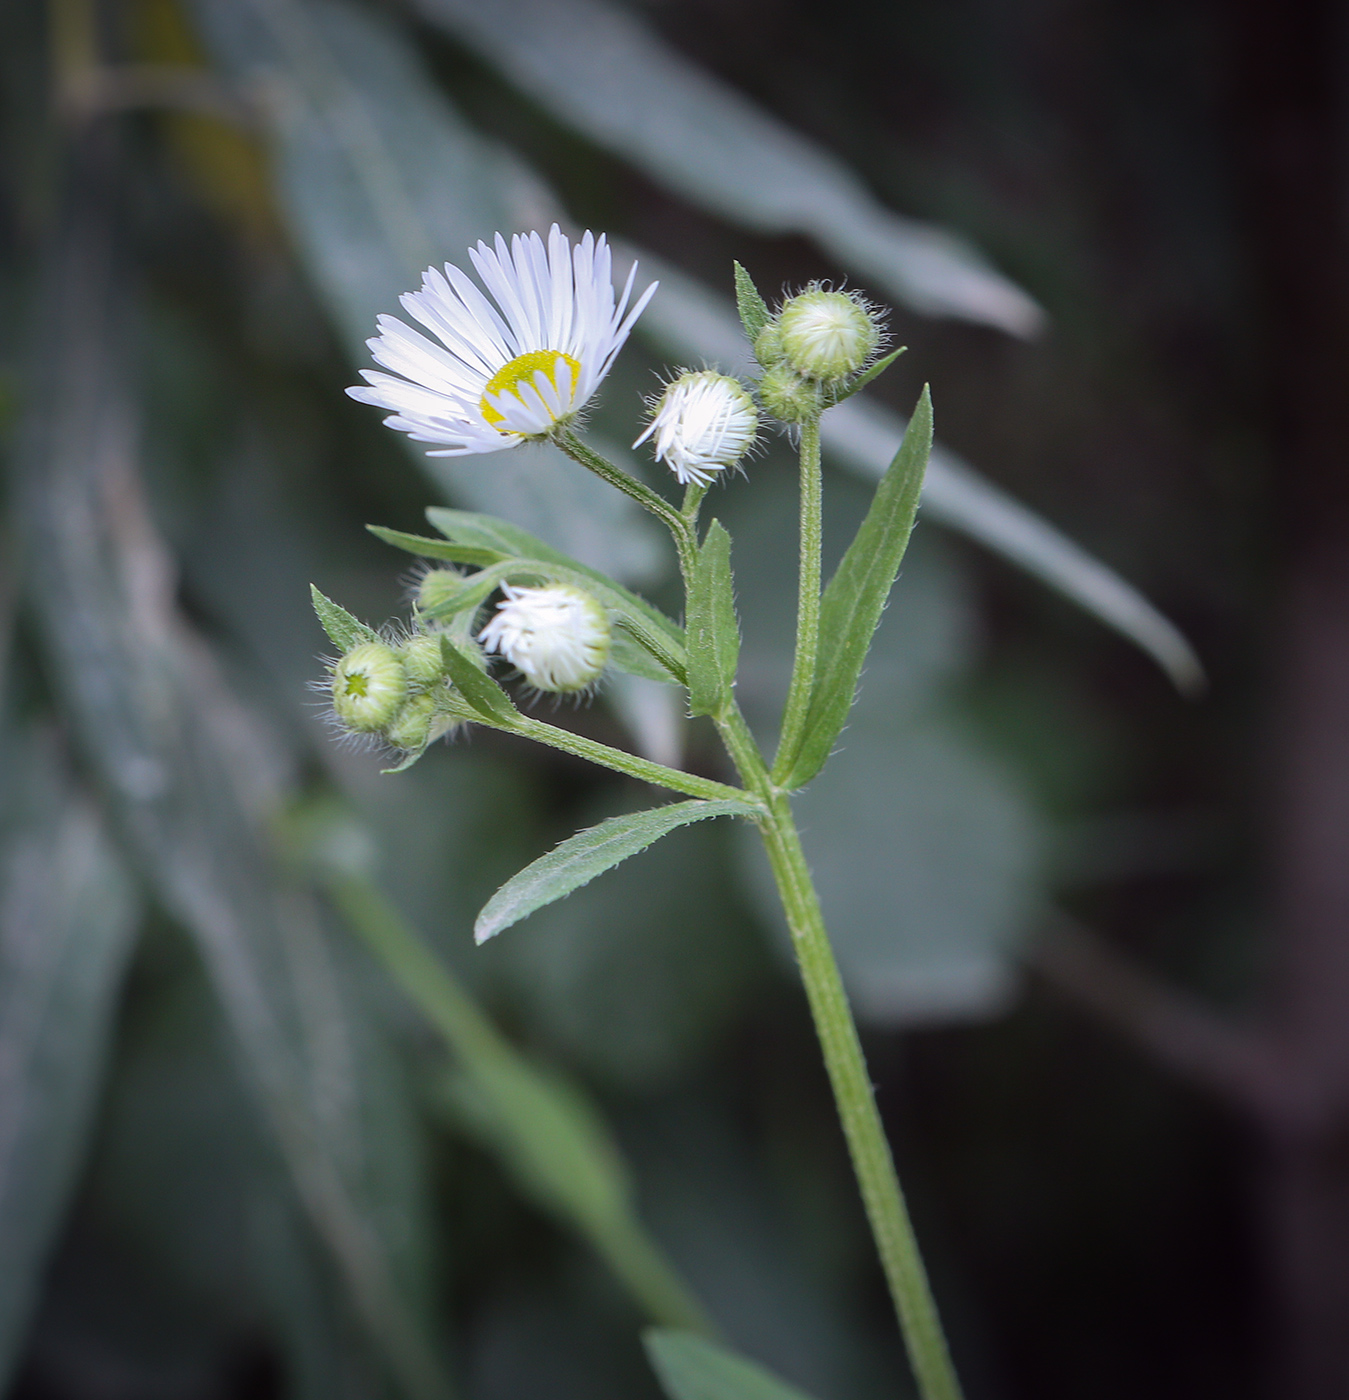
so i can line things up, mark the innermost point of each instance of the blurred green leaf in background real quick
(236, 1157)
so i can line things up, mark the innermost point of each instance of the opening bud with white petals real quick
(702, 424)
(557, 636)
(826, 335)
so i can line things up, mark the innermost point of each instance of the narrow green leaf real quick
(692, 1368)
(868, 375)
(754, 315)
(602, 68)
(486, 532)
(659, 636)
(439, 549)
(589, 853)
(713, 635)
(852, 604)
(475, 685)
(344, 630)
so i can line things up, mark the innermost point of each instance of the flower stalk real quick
(807, 604)
(819, 348)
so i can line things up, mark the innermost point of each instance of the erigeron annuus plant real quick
(520, 367)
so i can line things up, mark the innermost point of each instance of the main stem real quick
(807, 602)
(871, 1159)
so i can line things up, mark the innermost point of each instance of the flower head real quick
(703, 423)
(496, 375)
(556, 636)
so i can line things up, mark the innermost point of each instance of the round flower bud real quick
(369, 686)
(788, 396)
(557, 637)
(768, 345)
(422, 661)
(438, 587)
(703, 424)
(413, 726)
(827, 335)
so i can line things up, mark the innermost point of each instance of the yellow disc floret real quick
(521, 370)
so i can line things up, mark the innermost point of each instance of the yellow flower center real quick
(521, 370)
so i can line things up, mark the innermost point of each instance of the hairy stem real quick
(679, 526)
(617, 759)
(807, 603)
(867, 1145)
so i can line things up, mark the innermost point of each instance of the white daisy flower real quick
(703, 424)
(557, 637)
(496, 375)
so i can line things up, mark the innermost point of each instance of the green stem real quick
(872, 1162)
(682, 530)
(488, 1058)
(693, 499)
(617, 759)
(807, 604)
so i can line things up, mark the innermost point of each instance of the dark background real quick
(1135, 1181)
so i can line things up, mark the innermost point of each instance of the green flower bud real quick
(422, 661)
(437, 589)
(415, 724)
(768, 345)
(828, 335)
(369, 686)
(789, 397)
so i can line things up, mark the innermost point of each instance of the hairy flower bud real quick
(556, 636)
(414, 726)
(827, 335)
(703, 423)
(369, 685)
(768, 345)
(422, 661)
(788, 396)
(437, 590)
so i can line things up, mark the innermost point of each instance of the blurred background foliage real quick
(235, 1159)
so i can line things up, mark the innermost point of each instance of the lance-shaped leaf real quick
(692, 1368)
(589, 853)
(486, 532)
(475, 685)
(344, 630)
(660, 637)
(713, 635)
(860, 435)
(427, 548)
(753, 309)
(67, 915)
(852, 603)
(599, 67)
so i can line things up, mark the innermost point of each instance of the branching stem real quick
(807, 603)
